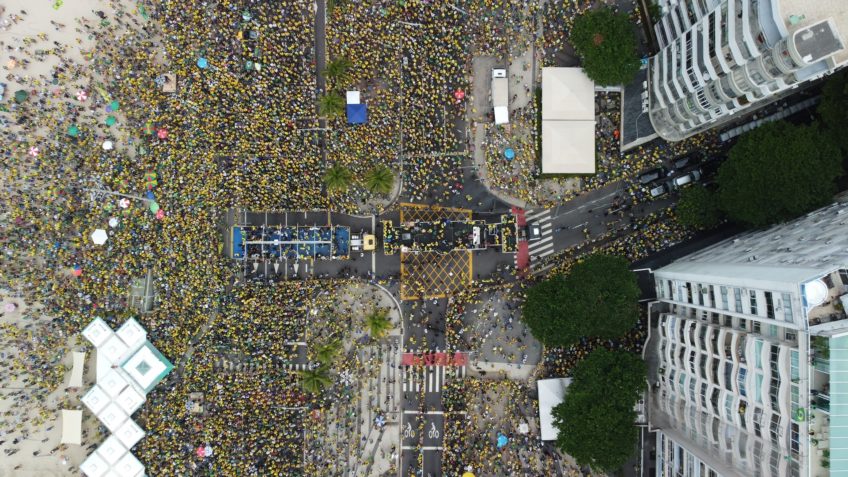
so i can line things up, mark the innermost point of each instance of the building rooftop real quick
(800, 14)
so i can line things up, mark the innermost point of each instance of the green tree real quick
(596, 419)
(598, 298)
(378, 323)
(607, 45)
(338, 71)
(698, 208)
(380, 179)
(833, 108)
(338, 178)
(314, 380)
(778, 172)
(326, 353)
(331, 105)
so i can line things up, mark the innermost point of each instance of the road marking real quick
(410, 411)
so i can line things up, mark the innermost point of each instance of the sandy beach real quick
(39, 26)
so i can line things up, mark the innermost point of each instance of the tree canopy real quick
(833, 108)
(698, 208)
(607, 45)
(338, 178)
(380, 179)
(598, 298)
(778, 172)
(596, 418)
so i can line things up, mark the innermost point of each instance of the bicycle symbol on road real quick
(408, 433)
(433, 433)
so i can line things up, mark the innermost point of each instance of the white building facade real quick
(746, 344)
(721, 57)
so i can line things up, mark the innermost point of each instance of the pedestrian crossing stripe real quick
(433, 377)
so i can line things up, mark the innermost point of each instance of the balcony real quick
(826, 299)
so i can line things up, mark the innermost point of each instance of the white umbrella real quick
(124, 203)
(113, 222)
(207, 450)
(523, 428)
(99, 237)
(108, 145)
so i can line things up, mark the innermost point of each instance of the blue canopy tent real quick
(357, 113)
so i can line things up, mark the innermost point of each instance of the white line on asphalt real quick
(545, 253)
(536, 250)
(432, 448)
(410, 411)
(295, 343)
(546, 227)
(545, 239)
(536, 215)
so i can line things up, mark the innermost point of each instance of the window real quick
(688, 292)
(724, 303)
(740, 381)
(769, 305)
(755, 326)
(794, 373)
(758, 388)
(728, 321)
(711, 294)
(787, 307)
(752, 295)
(743, 323)
(737, 296)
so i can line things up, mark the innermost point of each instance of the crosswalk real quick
(433, 377)
(545, 245)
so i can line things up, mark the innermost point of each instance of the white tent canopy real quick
(77, 370)
(551, 393)
(568, 122)
(96, 399)
(129, 434)
(71, 427)
(94, 466)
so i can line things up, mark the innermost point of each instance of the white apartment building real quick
(721, 57)
(750, 355)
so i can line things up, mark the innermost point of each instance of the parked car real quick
(534, 231)
(659, 191)
(686, 179)
(652, 175)
(685, 161)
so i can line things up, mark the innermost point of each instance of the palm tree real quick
(331, 104)
(338, 178)
(380, 179)
(314, 380)
(378, 322)
(338, 70)
(326, 353)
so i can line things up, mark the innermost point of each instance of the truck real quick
(500, 95)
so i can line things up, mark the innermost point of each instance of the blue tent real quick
(357, 114)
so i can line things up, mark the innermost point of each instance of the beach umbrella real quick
(162, 133)
(124, 203)
(148, 128)
(202, 63)
(459, 94)
(207, 450)
(154, 207)
(150, 195)
(246, 16)
(108, 145)
(82, 95)
(502, 440)
(113, 222)
(110, 120)
(21, 96)
(523, 428)
(160, 214)
(99, 237)
(77, 270)
(10, 307)
(509, 153)
(33, 151)
(11, 64)
(73, 131)
(201, 452)
(115, 105)
(467, 474)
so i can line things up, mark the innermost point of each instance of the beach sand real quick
(16, 29)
